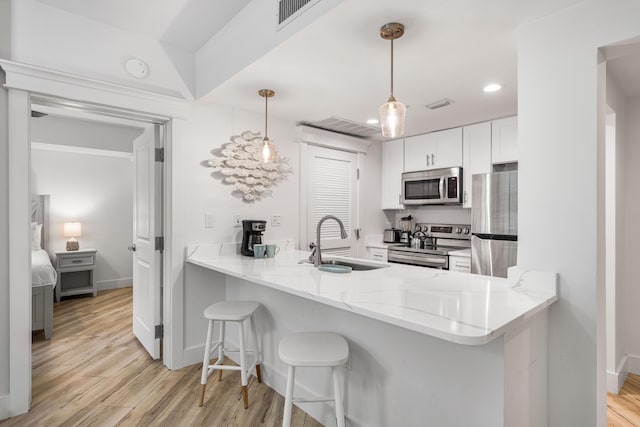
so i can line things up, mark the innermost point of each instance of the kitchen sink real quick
(355, 266)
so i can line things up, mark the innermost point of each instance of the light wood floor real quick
(623, 409)
(93, 372)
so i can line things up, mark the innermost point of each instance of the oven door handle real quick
(404, 257)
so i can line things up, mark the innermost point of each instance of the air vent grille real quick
(288, 8)
(346, 127)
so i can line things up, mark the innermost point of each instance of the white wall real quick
(83, 133)
(97, 191)
(616, 337)
(632, 236)
(558, 113)
(4, 254)
(5, 29)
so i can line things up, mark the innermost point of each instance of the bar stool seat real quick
(314, 349)
(230, 311)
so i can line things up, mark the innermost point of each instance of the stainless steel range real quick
(430, 245)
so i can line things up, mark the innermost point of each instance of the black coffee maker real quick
(252, 230)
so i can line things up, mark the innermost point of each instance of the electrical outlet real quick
(209, 220)
(237, 221)
(276, 220)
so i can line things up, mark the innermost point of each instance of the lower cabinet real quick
(461, 264)
(377, 254)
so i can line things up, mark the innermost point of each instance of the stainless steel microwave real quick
(432, 187)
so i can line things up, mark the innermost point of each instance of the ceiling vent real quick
(439, 104)
(345, 127)
(288, 10)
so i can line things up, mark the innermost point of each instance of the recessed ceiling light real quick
(136, 67)
(372, 121)
(492, 87)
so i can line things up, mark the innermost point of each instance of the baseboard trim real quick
(616, 379)
(4, 407)
(633, 364)
(125, 282)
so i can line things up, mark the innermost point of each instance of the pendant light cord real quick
(266, 109)
(392, 68)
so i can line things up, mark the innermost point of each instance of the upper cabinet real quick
(476, 156)
(392, 168)
(441, 149)
(504, 140)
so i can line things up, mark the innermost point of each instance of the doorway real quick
(102, 172)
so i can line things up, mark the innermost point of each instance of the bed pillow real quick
(36, 236)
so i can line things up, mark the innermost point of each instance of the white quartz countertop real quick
(457, 307)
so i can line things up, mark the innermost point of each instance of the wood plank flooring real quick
(93, 372)
(623, 409)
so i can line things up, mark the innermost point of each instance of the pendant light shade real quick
(392, 113)
(268, 150)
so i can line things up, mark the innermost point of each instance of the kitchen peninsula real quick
(429, 347)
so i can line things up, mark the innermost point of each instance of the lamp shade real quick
(72, 229)
(392, 115)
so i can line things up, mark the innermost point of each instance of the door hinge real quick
(160, 155)
(358, 173)
(159, 331)
(160, 243)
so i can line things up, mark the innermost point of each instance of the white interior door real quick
(146, 227)
(332, 190)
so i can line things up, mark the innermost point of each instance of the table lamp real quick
(73, 230)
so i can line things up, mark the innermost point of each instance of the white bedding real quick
(42, 272)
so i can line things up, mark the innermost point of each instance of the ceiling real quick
(184, 23)
(339, 65)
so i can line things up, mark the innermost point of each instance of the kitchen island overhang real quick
(499, 374)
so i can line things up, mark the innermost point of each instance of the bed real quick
(43, 275)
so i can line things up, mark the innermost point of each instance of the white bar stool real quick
(230, 311)
(314, 349)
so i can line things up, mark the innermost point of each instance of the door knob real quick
(132, 248)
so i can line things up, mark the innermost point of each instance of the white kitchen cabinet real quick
(504, 140)
(392, 168)
(461, 264)
(442, 149)
(476, 156)
(377, 254)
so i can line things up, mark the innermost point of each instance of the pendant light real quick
(268, 150)
(392, 112)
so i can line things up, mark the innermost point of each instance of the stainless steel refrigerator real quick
(494, 223)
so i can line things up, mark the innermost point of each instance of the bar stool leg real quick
(205, 363)
(288, 398)
(337, 392)
(221, 349)
(243, 366)
(258, 353)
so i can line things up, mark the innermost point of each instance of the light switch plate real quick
(276, 220)
(209, 220)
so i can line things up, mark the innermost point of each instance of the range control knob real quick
(458, 230)
(466, 230)
(418, 228)
(425, 228)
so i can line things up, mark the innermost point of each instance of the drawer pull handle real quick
(76, 261)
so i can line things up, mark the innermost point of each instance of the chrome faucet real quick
(317, 260)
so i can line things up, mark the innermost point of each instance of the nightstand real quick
(75, 273)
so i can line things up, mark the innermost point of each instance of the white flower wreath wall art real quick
(249, 163)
